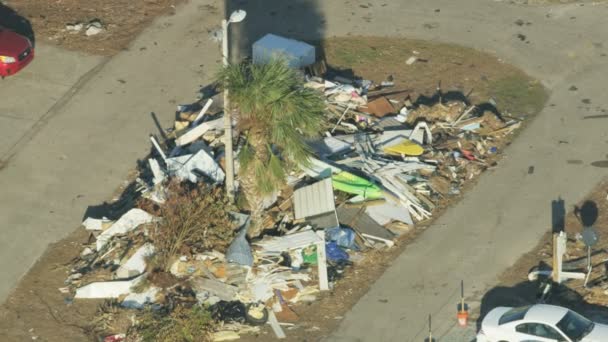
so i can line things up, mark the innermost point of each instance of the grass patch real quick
(479, 75)
(518, 94)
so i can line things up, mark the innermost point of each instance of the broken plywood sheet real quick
(215, 287)
(389, 211)
(362, 223)
(378, 107)
(323, 221)
(129, 221)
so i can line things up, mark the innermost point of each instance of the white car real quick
(539, 323)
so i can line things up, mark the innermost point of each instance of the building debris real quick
(129, 221)
(107, 289)
(382, 165)
(136, 264)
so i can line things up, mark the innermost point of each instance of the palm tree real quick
(276, 114)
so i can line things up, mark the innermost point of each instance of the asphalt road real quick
(72, 126)
(68, 144)
(509, 209)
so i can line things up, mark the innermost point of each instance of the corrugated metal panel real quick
(287, 242)
(314, 199)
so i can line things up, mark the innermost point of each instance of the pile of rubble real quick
(383, 165)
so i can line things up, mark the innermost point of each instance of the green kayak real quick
(349, 183)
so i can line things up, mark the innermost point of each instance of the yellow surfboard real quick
(406, 147)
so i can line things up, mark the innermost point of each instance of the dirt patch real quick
(514, 288)
(555, 2)
(122, 21)
(38, 308)
(455, 69)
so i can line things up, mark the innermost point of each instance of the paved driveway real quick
(509, 209)
(68, 144)
(32, 97)
(29, 101)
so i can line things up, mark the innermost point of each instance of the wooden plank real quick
(556, 276)
(464, 114)
(157, 147)
(197, 131)
(507, 129)
(274, 324)
(322, 262)
(389, 243)
(469, 122)
(200, 115)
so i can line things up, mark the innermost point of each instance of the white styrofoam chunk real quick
(94, 224)
(129, 221)
(136, 263)
(106, 289)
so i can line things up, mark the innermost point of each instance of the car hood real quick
(11, 43)
(598, 334)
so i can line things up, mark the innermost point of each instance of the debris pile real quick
(383, 165)
(92, 28)
(409, 155)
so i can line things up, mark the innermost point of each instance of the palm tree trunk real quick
(256, 205)
(249, 183)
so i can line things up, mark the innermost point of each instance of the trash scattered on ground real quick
(74, 28)
(94, 27)
(381, 165)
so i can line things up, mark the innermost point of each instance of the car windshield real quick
(575, 326)
(514, 314)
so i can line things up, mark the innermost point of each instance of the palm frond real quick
(246, 155)
(273, 102)
(276, 168)
(265, 182)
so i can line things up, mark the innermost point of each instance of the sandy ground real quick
(122, 20)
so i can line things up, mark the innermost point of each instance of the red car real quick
(16, 51)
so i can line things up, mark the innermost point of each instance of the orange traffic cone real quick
(463, 314)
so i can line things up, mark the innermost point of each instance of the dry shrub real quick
(195, 217)
(181, 325)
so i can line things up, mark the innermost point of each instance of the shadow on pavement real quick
(587, 213)
(11, 20)
(527, 292)
(300, 20)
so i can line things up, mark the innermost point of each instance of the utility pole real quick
(235, 17)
